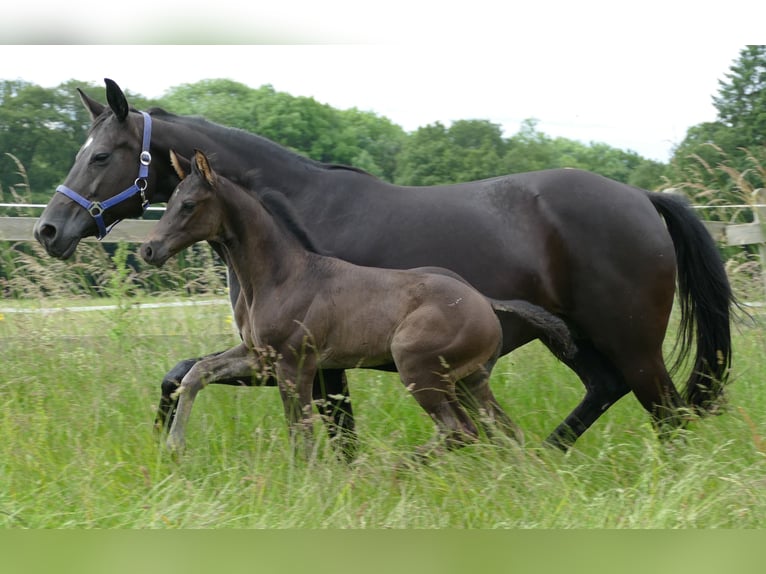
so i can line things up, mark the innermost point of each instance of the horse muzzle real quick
(57, 243)
(154, 253)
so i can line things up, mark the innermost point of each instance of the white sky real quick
(637, 86)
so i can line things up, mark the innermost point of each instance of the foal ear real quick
(116, 99)
(180, 164)
(94, 108)
(202, 166)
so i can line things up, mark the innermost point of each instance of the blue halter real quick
(97, 209)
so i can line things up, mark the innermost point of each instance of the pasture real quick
(79, 392)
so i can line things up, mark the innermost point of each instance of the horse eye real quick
(100, 157)
(188, 206)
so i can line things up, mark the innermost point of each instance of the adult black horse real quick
(602, 255)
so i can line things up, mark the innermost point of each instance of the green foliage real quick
(476, 149)
(725, 157)
(43, 128)
(531, 150)
(741, 100)
(349, 137)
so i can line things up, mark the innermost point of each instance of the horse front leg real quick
(238, 363)
(166, 410)
(330, 392)
(332, 397)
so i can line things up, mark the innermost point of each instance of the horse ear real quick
(180, 164)
(116, 99)
(94, 108)
(202, 167)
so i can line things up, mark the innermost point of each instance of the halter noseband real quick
(97, 209)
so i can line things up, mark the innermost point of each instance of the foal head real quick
(192, 214)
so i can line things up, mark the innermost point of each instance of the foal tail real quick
(551, 329)
(705, 300)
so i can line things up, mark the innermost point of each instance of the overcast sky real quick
(636, 95)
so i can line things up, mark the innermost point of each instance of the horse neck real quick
(247, 159)
(262, 253)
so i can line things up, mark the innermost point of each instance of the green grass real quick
(79, 391)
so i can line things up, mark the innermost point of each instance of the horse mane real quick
(247, 139)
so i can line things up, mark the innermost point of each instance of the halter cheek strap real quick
(96, 208)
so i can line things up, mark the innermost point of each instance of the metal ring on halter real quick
(141, 183)
(145, 158)
(95, 209)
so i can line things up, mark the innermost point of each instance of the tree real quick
(300, 123)
(531, 150)
(741, 101)
(370, 142)
(722, 160)
(222, 101)
(467, 150)
(42, 128)
(427, 157)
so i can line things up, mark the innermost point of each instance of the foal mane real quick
(282, 211)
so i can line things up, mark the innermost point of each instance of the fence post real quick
(759, 216)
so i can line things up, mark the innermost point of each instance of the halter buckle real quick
(95, 209)
(145, 158)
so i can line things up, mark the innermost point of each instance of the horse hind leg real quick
(604, 386)
(654, 389)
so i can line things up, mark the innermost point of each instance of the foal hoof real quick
(175, 446)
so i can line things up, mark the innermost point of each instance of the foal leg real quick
(435, 393)
(166, 410)
(330, 390)
(239, 362)
(477, 398)
(294, 377)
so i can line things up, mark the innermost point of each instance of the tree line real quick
(41, 130)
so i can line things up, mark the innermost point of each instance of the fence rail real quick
(130, 230)
(136, 230)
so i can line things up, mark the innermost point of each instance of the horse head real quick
(109, 180)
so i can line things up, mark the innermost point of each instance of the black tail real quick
(705, 299)
(552, 330)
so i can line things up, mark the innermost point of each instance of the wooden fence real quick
(130, 230)
(136, 230)
(745, 233)
(20, 228)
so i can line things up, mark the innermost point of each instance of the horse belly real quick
(505, 255)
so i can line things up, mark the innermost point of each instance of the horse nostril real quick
(146, 252)
(47, 231)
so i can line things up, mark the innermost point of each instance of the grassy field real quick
(79, 390)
